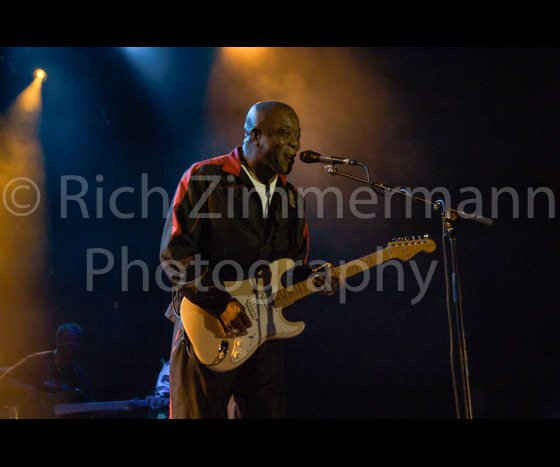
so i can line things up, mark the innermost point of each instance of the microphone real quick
(310, 157)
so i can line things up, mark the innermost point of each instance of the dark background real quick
(453, 117)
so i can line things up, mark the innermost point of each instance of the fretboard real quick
(292, 294)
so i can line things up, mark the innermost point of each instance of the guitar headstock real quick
(406, 248)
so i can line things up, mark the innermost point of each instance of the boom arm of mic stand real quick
(332, 170)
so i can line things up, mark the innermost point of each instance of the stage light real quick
(40, 75)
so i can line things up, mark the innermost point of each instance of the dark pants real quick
(199, 393)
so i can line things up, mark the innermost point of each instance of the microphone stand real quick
(450, 217)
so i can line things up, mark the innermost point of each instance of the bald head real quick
(262, 111)
(272, 136)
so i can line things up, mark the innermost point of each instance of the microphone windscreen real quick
(309, 157)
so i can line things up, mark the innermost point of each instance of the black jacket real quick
(215, 230)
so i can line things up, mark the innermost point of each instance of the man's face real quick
(279, 140)
(68, 344)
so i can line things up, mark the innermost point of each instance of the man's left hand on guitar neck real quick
(319, 281)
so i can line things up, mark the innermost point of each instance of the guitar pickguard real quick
(267, 324)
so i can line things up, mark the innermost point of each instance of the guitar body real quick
(208, 337)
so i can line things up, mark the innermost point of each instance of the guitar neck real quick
(362, 264)
(67, 409)
(292, 294)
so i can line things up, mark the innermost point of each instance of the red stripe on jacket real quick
(230, 163)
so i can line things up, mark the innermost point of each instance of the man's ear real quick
(255, 136)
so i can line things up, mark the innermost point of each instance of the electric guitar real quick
(152, 402)
(264, 299)
(49, 411)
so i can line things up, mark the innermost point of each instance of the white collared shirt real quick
(265, 192)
